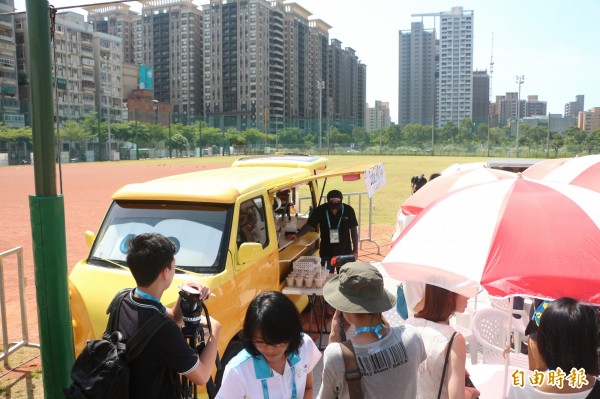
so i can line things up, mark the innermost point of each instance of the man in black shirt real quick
(154, 374)
(338, 228)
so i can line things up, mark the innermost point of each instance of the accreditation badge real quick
(334, 236)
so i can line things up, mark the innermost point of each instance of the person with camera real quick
(155, 372)
(338, 226)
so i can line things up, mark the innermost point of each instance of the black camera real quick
(190, 305)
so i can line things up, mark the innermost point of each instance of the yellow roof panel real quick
(222, 185)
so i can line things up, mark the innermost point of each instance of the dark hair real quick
(568, 336)
(148, 254)
(439, 304)
(276, 317)
(434, 176)
(417, 182)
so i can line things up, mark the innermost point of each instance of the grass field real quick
(25, 381)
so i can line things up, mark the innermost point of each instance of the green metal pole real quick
(47, 214)
(170, 136)
(200, 136)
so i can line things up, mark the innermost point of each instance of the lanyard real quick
(265, 388)
(149, 297)
(339, 221)
(374, 330)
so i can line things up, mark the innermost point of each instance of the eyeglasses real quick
(263, 344)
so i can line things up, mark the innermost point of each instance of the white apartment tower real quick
(455, 66)
(378, 117)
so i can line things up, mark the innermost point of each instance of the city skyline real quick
(553, 48)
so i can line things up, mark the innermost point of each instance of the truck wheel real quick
(234, 347)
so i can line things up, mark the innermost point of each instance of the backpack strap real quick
(445, 365)
(352, 374)
(139, 340)
(114, 310)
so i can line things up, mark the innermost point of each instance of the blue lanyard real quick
(339, 221)
(374, 330)
(149, 297)
(265, 388)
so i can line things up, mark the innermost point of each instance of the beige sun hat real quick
(358, 288)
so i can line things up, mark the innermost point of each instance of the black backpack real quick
(101, 370)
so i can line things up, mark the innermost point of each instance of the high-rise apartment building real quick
(417, 75)
(241, 39)
(378, 117)
(305, 59)
(589, 121)
(347, 88)
(168, 37)
(455, 66)
(10, 110)
(505, 108)
(534, 107)
(572, 109)
(88, 68)
(262, 66)
(481, 97)
(319, 72)
(116, 20)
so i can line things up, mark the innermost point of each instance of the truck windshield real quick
(198, 232)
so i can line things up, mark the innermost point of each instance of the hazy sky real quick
(552, 43)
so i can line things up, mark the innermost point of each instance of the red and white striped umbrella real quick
(512, 237)
(581, 171)
(446, 183)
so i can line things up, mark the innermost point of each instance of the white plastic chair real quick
(518, 325)
(489, 328)
(462, 324)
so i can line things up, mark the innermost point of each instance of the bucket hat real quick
(358, 288)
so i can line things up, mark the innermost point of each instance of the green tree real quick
(74, 131)
(557, 141)
(291, 136)
(360, 137)
(591, 143)
(179, 143)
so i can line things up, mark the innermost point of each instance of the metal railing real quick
(348, 198)
(12, 347)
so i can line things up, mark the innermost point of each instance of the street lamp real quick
(520, 81)
(155, 106)
(320, 86)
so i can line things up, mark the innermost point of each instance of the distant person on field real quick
(416, 182)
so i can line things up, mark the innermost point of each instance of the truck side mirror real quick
(90, 237)
(249, 252)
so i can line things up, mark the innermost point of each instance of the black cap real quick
(334, 194)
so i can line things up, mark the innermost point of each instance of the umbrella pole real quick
(507, 345)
